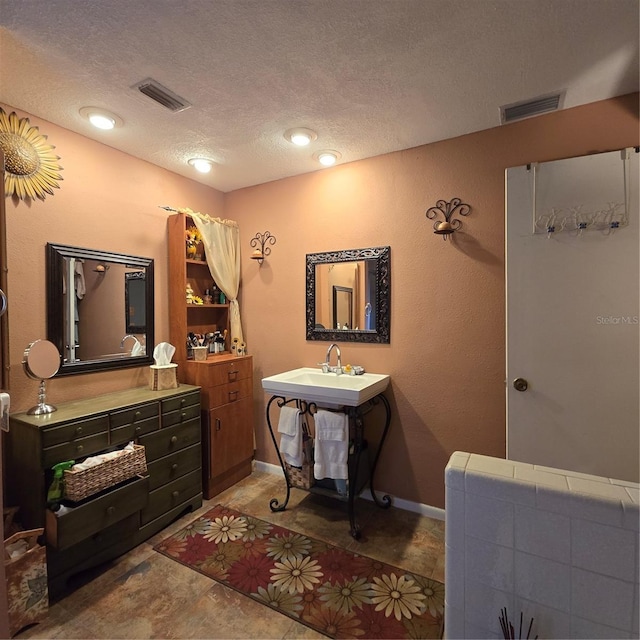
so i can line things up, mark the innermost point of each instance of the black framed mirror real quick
(367, 274)
(100, 308)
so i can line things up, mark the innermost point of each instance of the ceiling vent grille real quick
(169, 100)
(521, 110)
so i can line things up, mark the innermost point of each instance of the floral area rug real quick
(339, 593)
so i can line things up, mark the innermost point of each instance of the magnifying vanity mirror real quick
(349, 295)
(41, 361)
(100, 309)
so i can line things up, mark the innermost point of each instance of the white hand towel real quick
(332, 445)
(290, 428)
(80, 285)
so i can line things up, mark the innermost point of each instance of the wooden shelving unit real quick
(184, 317)
(226, 381)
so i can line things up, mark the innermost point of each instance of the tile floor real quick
(143, 594)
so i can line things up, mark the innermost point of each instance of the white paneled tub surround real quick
(559, 546)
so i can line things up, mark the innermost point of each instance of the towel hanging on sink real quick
(290, 429)
(331, 445)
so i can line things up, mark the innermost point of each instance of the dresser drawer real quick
(171, 495)
(173, 466)
(180, 415)
(215, 372)
(75, 430)
(171, 439)
(223, 394)
(59, 561)
(134, 415)
(80, 448)
(122, 435)
(180, 402)
(85, 520)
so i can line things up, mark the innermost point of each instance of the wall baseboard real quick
(407, 505)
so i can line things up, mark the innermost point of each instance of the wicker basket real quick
(79, 485)
(300, 477)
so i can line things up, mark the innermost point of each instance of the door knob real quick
(520, 384)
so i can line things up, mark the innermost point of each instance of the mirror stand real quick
(42, 407)
(41, 362)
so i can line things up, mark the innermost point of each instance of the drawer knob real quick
(183, 415)
(174, 439)
(138, 429)
(175, 494)
(137, 414)
(79, 448)
(174, 466)
(79, 431)
(182, 402)
(111, 510)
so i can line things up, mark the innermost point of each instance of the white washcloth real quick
(332, 445)
(290, 429)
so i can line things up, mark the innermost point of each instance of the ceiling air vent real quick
(169, 100)
(520, 110)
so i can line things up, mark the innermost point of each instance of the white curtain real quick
(221, 240)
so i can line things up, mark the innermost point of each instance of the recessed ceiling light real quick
(101, 118)
(201, 164)
(300, 136)
(327, 158)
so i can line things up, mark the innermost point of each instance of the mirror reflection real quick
(134, 301)
(99, 308)
(343, 308)
(348, 295)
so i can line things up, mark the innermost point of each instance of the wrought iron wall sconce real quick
(101, 268)
(447, 226)
(260, 243)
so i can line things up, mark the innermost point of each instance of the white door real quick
(573, 314)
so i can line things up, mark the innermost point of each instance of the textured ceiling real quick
(369, 76)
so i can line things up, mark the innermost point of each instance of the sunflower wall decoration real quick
(31, 168)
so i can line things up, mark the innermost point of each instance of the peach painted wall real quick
(446, 357)
(107, 200)
(447, 352)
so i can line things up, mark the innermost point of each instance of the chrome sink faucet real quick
(326, 365)
(136, 341)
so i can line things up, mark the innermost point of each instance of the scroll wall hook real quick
(448, 210)
(260, 243)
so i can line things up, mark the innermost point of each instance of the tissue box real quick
(163, 376)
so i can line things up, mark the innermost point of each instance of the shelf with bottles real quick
(201, 284)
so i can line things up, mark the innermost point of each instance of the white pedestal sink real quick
(326, 389)
(347, 394)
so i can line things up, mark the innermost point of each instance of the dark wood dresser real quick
(109, 523)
